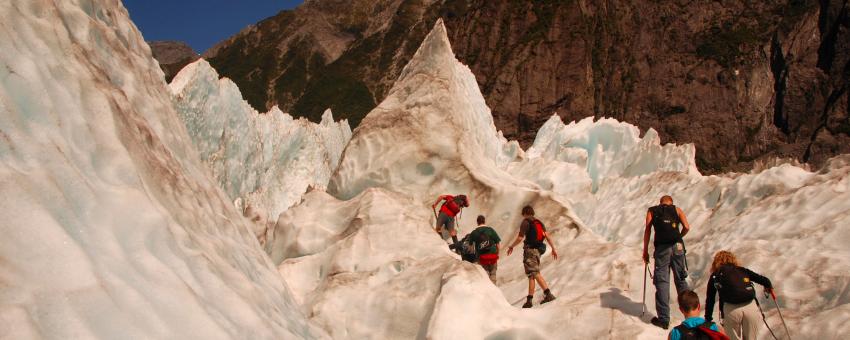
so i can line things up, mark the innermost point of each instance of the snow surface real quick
(264, 162)
(115, 225)
(111, 226)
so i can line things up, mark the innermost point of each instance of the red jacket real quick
(450, 207)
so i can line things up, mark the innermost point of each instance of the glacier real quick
(264, 162)
(358, 275)
(138, 209)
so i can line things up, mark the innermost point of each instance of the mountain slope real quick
(172, 56)
(744, 80)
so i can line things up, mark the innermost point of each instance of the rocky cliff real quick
(172, 56)
(745, 80)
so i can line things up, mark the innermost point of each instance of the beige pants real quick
(741, 321)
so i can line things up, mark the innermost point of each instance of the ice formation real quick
(363, 261)
(118, 220)
(111, 226)
(264, 162)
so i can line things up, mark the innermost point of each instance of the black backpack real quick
(701, 332)
(665, 220)
(472, 247)
(467, 249)
(734, 284)
(533, 238)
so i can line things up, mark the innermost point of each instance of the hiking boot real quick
(527, 304)
(657, 322)
(547, 298)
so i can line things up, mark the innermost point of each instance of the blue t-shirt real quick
(691, 323)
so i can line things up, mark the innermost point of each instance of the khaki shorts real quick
(531, 261)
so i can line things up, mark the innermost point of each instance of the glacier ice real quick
(264, 162)
(111, 226)
(608, 148)
(116, 195)
(592, 180)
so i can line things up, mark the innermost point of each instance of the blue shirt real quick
(690, 323)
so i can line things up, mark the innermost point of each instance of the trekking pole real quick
(773, 295)
(765, 319)
(645, 270)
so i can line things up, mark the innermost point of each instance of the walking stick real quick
(773, 295)
(765, 319)
(436, 220)
(645, 270)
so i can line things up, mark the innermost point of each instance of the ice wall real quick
(607, 148)
(264, 162)
(111, 227)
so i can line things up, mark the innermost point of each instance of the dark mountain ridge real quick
(743, 80)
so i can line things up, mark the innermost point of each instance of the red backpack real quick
(535, 235)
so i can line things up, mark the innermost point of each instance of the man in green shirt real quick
(487, 242)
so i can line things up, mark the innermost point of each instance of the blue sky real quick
(200, 23)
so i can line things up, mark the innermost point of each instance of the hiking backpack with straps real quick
(665, 220)
(700, 332)
(733, 284)
(535, 235)
(472, 247)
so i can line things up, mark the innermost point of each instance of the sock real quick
(529, 297)
(547, 292)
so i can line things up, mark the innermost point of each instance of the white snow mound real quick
(111, 227)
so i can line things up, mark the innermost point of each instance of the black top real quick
(528, 230)
(712, 289)
(666, 222)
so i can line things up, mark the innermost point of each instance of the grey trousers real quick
(667, 258)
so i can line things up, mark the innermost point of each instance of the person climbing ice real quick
(532, 233)
(452, 206)
(734, 284)
(669, 254)
(487, 245)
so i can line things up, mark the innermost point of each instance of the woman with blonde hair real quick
(734, 284)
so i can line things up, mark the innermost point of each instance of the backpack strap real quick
(683, 330)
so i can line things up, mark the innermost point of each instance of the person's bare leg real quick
(547, 295)
(530, 292)
(541, 281)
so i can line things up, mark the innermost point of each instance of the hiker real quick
(532, 232)
(669, 254)
(487, 246)
(735, 284)
(694, 326)
(446, 219)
